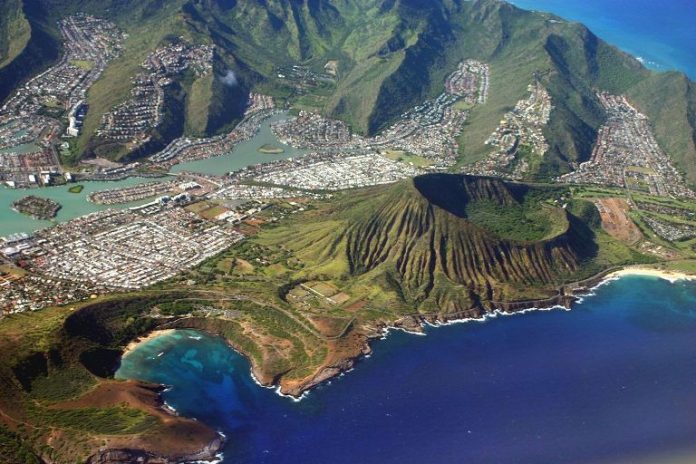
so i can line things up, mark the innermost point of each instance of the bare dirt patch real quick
(357, 306)
(329, 326)
(615, 219)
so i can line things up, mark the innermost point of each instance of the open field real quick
(415, 160)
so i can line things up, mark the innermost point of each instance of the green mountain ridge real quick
(14, 31)
(38, 52)
(392, 54)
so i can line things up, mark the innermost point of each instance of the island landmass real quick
(37, 207)
(270, 149)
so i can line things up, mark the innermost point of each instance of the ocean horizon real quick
(611, 379)
(660, 34)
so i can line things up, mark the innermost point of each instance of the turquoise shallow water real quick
(75, 205)
(662, 33)
(608, 382)
(244, 154)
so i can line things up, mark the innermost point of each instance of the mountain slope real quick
(42, 46)
(390, 55)
(14, 31)
(449, 242)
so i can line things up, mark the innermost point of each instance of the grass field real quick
(83, 64)
(529, 223)
(207, 209)
(410, 158)
(18, 32)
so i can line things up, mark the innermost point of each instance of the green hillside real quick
(27, 23)
(14, 31)
(300, 298)
(450, 242)
(390, 55)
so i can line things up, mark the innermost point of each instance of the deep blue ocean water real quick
(612, 380)
(662, 33)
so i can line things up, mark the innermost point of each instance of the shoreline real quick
(410, 325)
(417, 325)
(135, 343)
(671, 276)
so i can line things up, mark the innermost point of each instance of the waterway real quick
(611, 381)
(245, 154)
(75, 205)
(21, 149)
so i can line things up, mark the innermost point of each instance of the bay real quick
(611, 381)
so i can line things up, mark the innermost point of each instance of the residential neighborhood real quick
(626, 154)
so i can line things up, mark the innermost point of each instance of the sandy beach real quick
(150, 336)
(666, 274)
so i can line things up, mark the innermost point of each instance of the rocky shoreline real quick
(128, 456)
(568, 295)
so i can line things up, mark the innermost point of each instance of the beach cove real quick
(611, 378)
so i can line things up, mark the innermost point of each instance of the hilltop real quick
(445, 243)
(384, 57)
(301, 299)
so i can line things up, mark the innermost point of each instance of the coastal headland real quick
(346, 354)
(463, 160)
(109, 421)
(304, 311)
